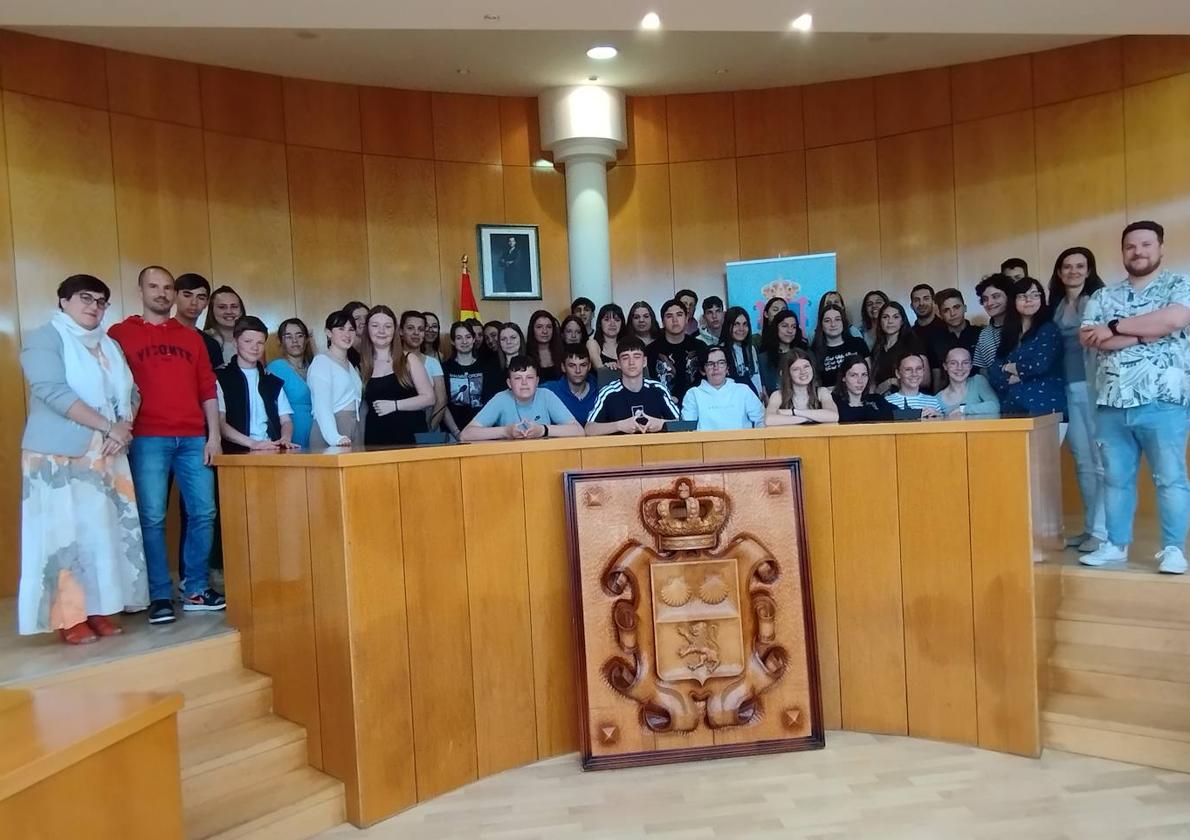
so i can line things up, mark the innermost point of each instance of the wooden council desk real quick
(413, 605)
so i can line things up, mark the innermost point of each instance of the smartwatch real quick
(546, 426)
(1113, 325)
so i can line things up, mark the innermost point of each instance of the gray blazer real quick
(48, 430)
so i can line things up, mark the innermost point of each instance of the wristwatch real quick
(546, 426)
(1113, 325)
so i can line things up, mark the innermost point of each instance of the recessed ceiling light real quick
(462, 71)
(491, 17)
(602, 52)
(803, 23)
(651, 21)
(306, 34)
(722, 71)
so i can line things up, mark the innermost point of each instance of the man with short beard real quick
(1141, 328)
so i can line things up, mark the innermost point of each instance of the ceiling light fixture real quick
(462, 71)
(602, 52)
(542, 163)
(722, 71)
(803, 23)
(651, 21)
(306, 34)
(491, 17)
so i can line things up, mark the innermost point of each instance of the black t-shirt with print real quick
(830, 359)
(675, 365)
(469, 387)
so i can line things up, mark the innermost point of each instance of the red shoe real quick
(79, 634)
(104, 626)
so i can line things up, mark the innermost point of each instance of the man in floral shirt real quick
(1141, 328)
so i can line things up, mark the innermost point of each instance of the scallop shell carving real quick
(713, 589)
(676, 592)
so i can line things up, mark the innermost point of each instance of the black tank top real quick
(398, 427)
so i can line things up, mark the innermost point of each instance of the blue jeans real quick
(1159, 430)
(1080, 408)
(152, 459)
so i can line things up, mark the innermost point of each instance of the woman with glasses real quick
(297, 351)
(82, 557)
(966, 395)
(1028, 372)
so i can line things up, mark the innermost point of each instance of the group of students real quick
(116, 417)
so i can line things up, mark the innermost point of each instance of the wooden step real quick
(1163, 614)
(1159, 637)
(1116, 687)
(222, 700)
(1153, 734)
(1156, 592)
(298, 804)
(1125, 662)
(218, 763)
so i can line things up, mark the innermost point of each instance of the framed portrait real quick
(509, 262)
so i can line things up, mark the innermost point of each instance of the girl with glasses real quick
(1027, 372)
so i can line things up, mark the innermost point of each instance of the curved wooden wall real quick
(305, 194)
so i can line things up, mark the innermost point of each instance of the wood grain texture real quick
(242, 103)
(237, 562)
(641, 231)
(440, 649)
(917, 209)
(60, 70)
(620, 456)
(466, 127)
(71, 228)
(936, 587)
(843, 211)
(499, 608)
(1079, 70)
(520, 133)
(1157, 168)
(706, 225)
(468, 194)
(839, 112)
(555, 669)
(732, 450)
(671, 453)
(700, 126)
(538, 197)
(322, 114)
(768, 121)
(1002, 594)
(396, 122)
(1151, 57)
(772, 205)
(648, 131)
(153, 88)
(329, 224)
(868, 586)
(402, 217)
(12, 410)
(912, 101)
(989, 88)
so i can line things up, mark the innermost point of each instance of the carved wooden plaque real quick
(695, 619)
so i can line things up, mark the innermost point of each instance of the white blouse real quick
(334, 387)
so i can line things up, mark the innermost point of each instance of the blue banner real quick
(801, 281)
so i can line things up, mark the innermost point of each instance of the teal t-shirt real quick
(504, 409)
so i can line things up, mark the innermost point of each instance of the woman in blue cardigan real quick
(1028, 371)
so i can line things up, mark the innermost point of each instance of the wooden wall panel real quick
(839, 112)
(820, 535)
(161, 199)
(468, 194)
(648, 131)
(70, 228)
(768, 121)
(520, 133)
(330, 240)
(242, 103)
(153, 88)
(989, 88)
(936, 587)
(402, 217)
(12, 410)
(538, 197)
(396, 122)
(61, 70)
(844, 214)
(1080, 176)
(1079, 70)
(620, 456)
(1151, 57)
(322, 114)
(440, 651)
(772, 205)
(912, 101)
(498, 594)
(706, 224)
(248, 209)
(671, 453)
(732, 450)
(995, 196)
(237, 574)
(641, 233)
(700, 126)
(917, 210)
(868, 586)
(466, 127)
(1002, 593)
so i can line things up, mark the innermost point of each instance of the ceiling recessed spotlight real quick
(602, 52)
(722, 71)
(592, 78)
(462, 71)
(803, 23)
(306, 34)
(491, 17)
(651, 21)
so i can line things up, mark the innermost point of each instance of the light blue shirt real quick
(504, 409)
(298, 393)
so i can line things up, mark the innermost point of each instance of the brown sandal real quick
(79, 634)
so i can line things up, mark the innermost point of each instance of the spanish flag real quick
(468, 308)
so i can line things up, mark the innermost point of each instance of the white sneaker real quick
(1105, 555)
(1173, 561)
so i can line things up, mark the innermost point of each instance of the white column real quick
(584, 127)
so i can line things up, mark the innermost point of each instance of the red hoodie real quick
(173, 372)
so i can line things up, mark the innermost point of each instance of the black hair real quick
(995, 281)
(148, 268)
(1144, 224)
(654, 328)
(1014, 262)
(496, 324)
(839, 392)
(581, 326)
(906, 342)
(628, 343)
(582, 301)
(944, 295)
(869, 323)
(818, 345)
(681, 293)
(670, 303)
(1012, 335)
(575, 351)
(1092, 284)
(920, 286)
(405, 316)
(337, 320)
(509, 325)
(614, 309)
(249, 323)
(712, 301)
(473, 323)
(190, 281)
(521, 362)
(727, 342)
(770, 341)
(704, 353)
(76, 283)
(555, 342)
(308, 347)
(353, 305)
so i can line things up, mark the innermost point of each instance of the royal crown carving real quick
(685, 517)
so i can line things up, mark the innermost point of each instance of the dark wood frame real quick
(815, 740)
(485, 267)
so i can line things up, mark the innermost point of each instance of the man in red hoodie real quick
(177, 428)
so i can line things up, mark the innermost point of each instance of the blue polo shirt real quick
(581, 409)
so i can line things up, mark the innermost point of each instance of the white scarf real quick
(107, 389)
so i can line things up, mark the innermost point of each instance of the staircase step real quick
(1152, 591)
(1118, 746)
(222, 700)
(298, 804)
(218, 763)
(1151, 720)
(1174, 640)
(1125, 662)
(1116, 687)
(1165, 615)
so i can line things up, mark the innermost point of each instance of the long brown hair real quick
(812, 400)
(367, 353)
(401, 358)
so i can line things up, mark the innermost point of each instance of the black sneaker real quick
(162, 612)
(209, 601)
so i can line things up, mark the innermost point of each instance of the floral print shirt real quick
(1143, 373)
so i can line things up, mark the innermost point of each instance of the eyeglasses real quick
(717, 363)
(89, 299)
(1033, 295)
